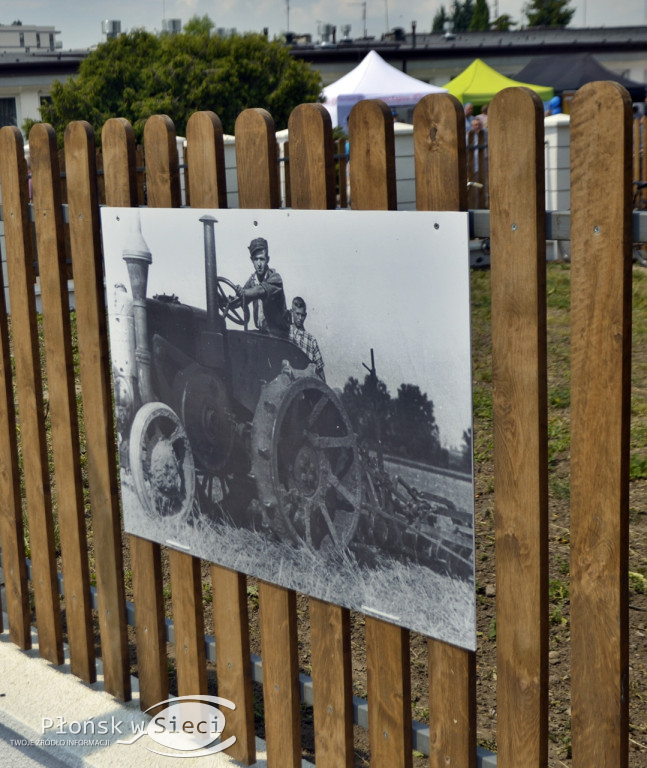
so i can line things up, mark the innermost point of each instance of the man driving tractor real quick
(265, 289)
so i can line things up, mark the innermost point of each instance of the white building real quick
(25, 38)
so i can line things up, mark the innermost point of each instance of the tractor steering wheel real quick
(230, 304)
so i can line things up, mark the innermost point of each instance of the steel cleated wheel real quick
(161, 462)
(306, 463)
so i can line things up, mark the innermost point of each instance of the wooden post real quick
(258, 187)
(20, 266)
(118, 141)
(372, 181)
(312, 168)
(208, 189)
(600, 414)
(62, 398)
(518, 233)
(441, 185)
(12, 535)
(97, 404)
(163, 189)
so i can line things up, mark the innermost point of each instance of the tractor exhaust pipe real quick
(211, 271)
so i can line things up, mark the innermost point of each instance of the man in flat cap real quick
(265, 289)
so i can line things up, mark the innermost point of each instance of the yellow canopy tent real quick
(479, 83)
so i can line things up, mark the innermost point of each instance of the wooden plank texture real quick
(97, 402)
(312, 181)
(20, 267)
(62, 399)
(118, 143)
(600, 414)
(312, 166)
(257, 160)
(205, 154)
(258, 187)
(163, 188)
(12, 535)
(372, 182)
(231, 632)
(441, 185)
(190, 656)
(520, 425)
(279, 650)
(207, 189)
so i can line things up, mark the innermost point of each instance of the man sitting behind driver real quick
(304, 340)
(265, 289)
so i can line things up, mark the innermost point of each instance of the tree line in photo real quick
(403, 426)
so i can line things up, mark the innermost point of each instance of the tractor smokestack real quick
(211, 271)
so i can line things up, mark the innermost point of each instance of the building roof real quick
(58, 62)
(527, 42)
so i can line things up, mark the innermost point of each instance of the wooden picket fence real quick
(600, 233)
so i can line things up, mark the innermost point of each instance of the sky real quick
(80, 22)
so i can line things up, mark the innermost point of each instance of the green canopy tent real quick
(479, 83)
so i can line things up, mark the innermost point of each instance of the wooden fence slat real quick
(279, 650)
(13, 177)
(257, 166)
(312, 181)
(233, 660)
(208, 189)
(258, 187)
(50, 238)
(312, 166)
(205, 154)
(520, 425)
(190, 656)
(97, 402)
(600, 415)
(12, 535)
(163, 189)
(372, 182)
(441, 185)
(118, 142)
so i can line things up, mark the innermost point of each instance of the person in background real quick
(483, 115)
(304, 340)
(469, 116)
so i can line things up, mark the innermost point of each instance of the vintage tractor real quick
(230, 422)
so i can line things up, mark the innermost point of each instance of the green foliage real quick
(441, 16)
(503, 23)
(199, 25)
(462, 14)
(554, 14)
(637, 582)
(481, 18)
(140, 74)
(558, 596)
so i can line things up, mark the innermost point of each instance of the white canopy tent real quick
(374, 78)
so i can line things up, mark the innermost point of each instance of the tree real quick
(140, 74)
(438, 24)
(554, 14)
(368, 406)
(481, 18)
(466, 451)
(503, 23)
(413, 431)
(462, 14)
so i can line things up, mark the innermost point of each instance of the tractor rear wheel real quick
(306, 462)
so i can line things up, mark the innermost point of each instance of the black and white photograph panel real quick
(293, 400)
